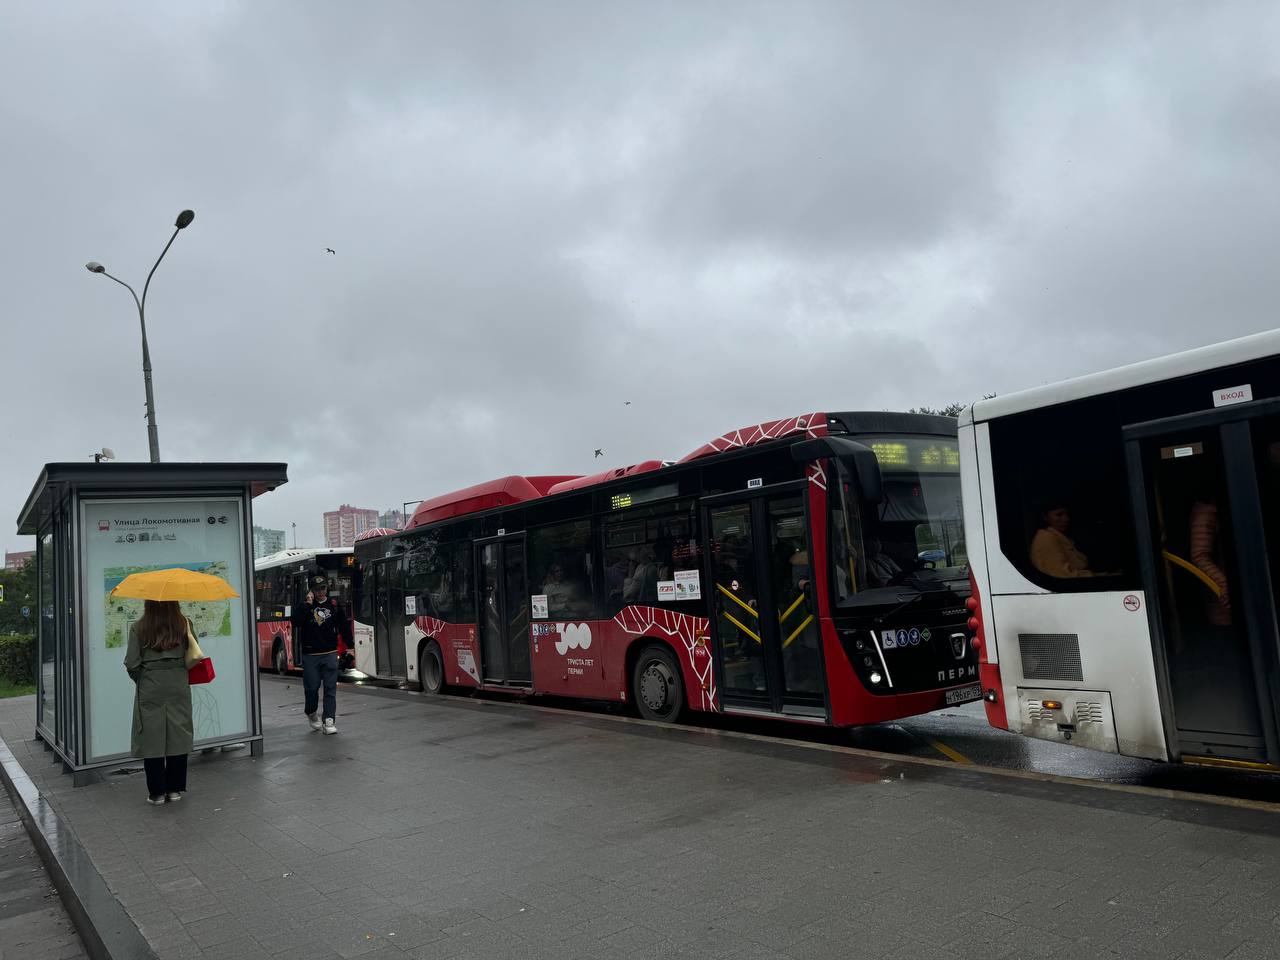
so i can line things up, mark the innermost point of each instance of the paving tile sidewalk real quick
(33, 922)
(440, 828)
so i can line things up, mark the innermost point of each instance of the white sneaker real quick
(314, 720)
(330, 726)
(173, 797)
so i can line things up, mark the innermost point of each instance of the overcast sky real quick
(723, 213)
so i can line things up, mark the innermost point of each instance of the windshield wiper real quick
(903, 605)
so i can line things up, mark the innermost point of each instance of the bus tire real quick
(657, 688)
(431, 669)
(279, 658)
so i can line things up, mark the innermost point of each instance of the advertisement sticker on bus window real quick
(688, 586)
(539, 604)
(411, 605)
(666, 591)
(288, 610)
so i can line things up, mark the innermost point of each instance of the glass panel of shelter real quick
(48, 635)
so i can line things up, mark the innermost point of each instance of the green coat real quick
(162, 700)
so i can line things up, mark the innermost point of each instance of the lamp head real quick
(184, 219)
(94, 267)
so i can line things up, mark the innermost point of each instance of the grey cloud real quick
(721, 212)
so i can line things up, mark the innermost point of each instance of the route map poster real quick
(131, 536)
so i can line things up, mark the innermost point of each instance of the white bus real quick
(1122, 532)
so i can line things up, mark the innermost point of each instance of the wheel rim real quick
(432, 670)
(656, 682)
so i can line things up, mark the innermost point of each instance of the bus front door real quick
(767, 641)
(503, 616)
(1212, 509)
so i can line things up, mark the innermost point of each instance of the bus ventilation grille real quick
(1050, 656)
(1035, 711)
(1087, 712)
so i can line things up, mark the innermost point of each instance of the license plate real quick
(964, 694)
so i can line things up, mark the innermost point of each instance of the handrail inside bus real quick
(1195, 571)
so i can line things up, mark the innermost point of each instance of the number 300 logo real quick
(573, 636)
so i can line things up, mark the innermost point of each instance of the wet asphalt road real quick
(962, 735)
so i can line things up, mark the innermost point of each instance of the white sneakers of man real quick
(314, 720)
(330, 726)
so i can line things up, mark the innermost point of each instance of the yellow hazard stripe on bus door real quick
(791, 609)
(798, 630)
(738, 600)
(743, 627)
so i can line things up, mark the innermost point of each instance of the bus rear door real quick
(503, 617)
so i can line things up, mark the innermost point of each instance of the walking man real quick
(323, 620)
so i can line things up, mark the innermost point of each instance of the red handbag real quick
(200, 672)
(200, 667)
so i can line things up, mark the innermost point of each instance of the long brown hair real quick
(163, 626)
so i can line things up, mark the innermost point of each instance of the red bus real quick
(811, 569)
(281, 583)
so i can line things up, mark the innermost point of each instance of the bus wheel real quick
(656, 686)
(431, 669)
(281, 661)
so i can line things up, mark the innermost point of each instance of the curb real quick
(104, 927)
(1026, 777)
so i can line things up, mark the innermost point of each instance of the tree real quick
(950, 410)
(19, 592)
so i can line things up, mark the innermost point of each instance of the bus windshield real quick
(910, 543)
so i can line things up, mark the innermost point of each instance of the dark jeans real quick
(166, 774)
(317, 669)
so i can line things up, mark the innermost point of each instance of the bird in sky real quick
(599, 452)
(626, 403)
(331, 250)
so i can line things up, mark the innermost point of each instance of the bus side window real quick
(646, 546)
(1061, 497)
(464, 601)
(560, 566)
(267, 596)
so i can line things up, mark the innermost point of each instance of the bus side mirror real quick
(865, 469)
(857, 462)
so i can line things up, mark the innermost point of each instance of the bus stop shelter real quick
(96, 523)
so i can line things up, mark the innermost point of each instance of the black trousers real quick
(166, 774)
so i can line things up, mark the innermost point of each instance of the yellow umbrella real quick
(174, 584)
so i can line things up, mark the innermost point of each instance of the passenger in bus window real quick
(616, 575)
(1205, 544)
(1053, 552)
(642, 585)
(562, 596)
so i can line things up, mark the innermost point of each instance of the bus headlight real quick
(875, 676)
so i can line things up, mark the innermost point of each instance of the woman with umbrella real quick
(161, 649)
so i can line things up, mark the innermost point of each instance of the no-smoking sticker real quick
(1132, 603)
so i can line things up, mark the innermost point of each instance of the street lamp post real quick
(153, 436)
